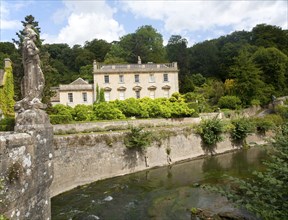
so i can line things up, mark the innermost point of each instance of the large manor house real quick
(121, 81)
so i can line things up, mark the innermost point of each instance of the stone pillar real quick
(36, 123)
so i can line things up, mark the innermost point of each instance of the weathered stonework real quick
(27, 167)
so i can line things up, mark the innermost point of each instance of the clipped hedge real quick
(60, 119)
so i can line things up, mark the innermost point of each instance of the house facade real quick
(120, 82)
(75, 93)
(136, 80)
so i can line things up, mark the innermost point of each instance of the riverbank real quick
(84, 158)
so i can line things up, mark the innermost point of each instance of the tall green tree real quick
(177, 51)
(204, 59)
(274, 66)
(270, 36)
(146, 42)
(99, 48)
(248, 84)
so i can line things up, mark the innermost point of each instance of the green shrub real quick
(282, 111)
(210, 131)
(129, 107)
(255, 102)
(107, 111)
(241, 128)
(230, 102)
(64, 112)
(60, 119)
(7, 124)
(83, 113)
(137, 139)
(264, 124)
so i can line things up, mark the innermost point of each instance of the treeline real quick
(251, 65)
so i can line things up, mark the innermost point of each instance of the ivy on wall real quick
(7, 93)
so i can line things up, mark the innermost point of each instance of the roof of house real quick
(79, 81)
(77, 85)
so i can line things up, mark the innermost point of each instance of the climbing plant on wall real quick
(7, 93)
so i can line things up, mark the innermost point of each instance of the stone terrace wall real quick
(81, 159)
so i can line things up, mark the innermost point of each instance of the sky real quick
(76, 21)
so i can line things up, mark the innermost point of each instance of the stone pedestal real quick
(28, 193)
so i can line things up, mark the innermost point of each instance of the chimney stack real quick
(7, 63)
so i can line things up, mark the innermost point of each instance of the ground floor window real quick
(121, 95)
(84, 96)
(166, 93)
(152, 94)
(70, 97)
(107, 96)
(137, 94)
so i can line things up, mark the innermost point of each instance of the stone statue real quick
(33, 82)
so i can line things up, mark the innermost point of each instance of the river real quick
(159, 193)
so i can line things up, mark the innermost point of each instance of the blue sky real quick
(76, 21)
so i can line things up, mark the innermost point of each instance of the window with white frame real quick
(137, 78)
(166, 93)
(121, 78)
(151, 78)
(107, 96)
(165, 77)
(152, 94)
(84, 96)
(121, 95)
(106, 79)
(70, 97)
(137, 94)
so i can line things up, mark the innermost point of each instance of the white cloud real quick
(181, 16)
(5, 22)
(87, 20)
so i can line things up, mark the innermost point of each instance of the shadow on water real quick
(161, 193)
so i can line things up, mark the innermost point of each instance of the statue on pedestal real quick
(33, 82)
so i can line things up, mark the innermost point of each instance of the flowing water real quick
(160, 193)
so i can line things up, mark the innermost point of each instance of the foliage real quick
(7, 124)
(137, 139)
(266, 193)
(83, 113)
(210, 131)
(230, 102)
(255, 102)
(241, 128)
(60, 119)
(282, 111)
(66, 112)
(273, 64)
(7, 93)
(267, 123)
(107, 111)
(247, 83)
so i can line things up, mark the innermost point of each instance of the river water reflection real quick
(161, 193)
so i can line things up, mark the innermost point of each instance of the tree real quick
(177, 52)
(248, 84)
(29, 19)
(99, 48)
(146, 42)
(274, 66)
(204, 58)
(270, 36)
